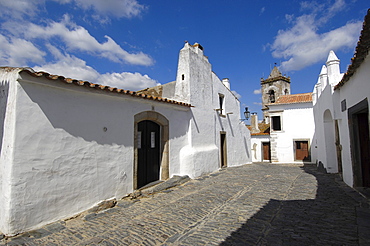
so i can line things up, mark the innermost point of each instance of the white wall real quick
(198, 85)
(354, 91)
(8, 101)
(64, 162)
(297, 124)
(324, 103)
(326, 113)
(238, 137)
(257, 148)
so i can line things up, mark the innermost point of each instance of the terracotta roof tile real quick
(260, 134)
(263, 127)
(294, 98)
(362, 50)
(101, 87)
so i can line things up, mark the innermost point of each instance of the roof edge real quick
(63, 79)
(361, 52)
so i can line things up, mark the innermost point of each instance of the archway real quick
(271, 96)
(151, 136)
(330, 149)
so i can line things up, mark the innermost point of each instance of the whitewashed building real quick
(287, 131)
(292, 129)
(67, 145)
(341, 109)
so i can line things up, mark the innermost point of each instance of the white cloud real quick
(262, 10)
(128, 81)
(117, 8)
(18, 9)
(257, 103)
(256, 92)
(302, 45)
(77, 38)
(18, 52)
(73, 67)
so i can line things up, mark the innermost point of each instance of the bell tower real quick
(272, 88)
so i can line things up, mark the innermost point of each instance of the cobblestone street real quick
(258, 204)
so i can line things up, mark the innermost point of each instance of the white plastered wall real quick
(297, 124)
(354, 91)
(73, 147)
(256, 147)
(198, 85)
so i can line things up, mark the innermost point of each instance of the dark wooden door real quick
(266, 151)
(363, 128)
(148, 152)
(223, 150)
(301, 150)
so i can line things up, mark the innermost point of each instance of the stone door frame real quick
(164, 143)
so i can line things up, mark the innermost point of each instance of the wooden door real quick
(301, 151)
(266, 151)
(363, 133)
(148, 152)
(223, 150)
(338, 147)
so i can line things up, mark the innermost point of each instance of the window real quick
(183, 76)
(276, 123)
(271, 96)
(221, 98)
(286, 92)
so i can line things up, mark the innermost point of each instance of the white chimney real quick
(254, 123)
(226, 82)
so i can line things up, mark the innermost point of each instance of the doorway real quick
(301, 150)
(223, 150)
(358, 117)
(266, 151)
(148, 145)
(338, 148)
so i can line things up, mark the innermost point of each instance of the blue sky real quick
(134, 44)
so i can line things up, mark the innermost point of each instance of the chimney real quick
(226, 82)
(254, 123)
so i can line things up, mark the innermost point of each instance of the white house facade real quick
(341, 110)
(67, 145)
(292, 129)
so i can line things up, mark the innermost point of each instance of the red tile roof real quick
(263, 127)
(362, 50)
(99, 87)
(260, 134)
(294, 98)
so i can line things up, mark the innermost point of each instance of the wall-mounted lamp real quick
(247, 114)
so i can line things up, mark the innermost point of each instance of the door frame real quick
(223, 149)
(263, 151)
(164, 143)
(308, 149)
(353, 112)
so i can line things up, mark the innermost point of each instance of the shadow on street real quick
(329, 219)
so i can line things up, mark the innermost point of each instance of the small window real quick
(286, 92)
(276, 123)
(272, 96)
(221, 98)
(183, 76)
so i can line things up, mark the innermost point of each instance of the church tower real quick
(272, 88)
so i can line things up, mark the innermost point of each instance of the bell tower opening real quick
(272, 88)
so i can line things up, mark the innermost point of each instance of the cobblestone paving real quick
(258, 204)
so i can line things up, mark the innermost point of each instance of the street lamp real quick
(247, 114)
